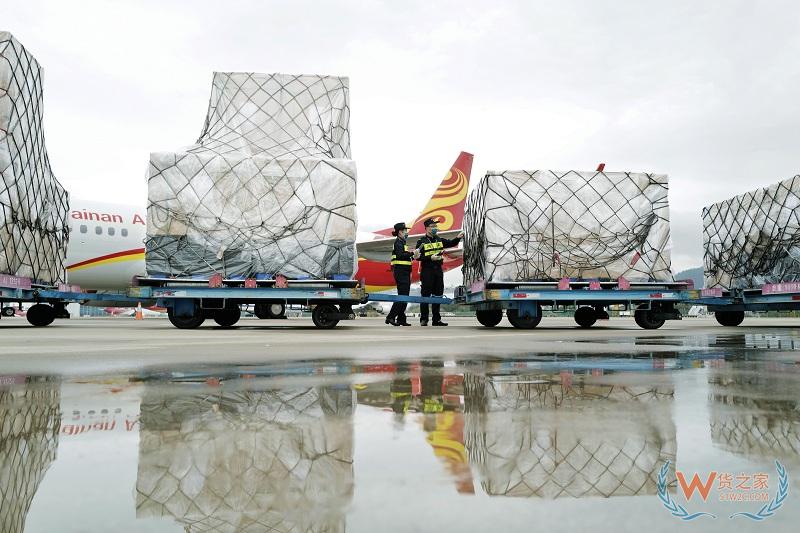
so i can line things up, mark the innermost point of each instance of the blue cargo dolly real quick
(50, 301)
(652, 302)
(190, 301)
(729, 305)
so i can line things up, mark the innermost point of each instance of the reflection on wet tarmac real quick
(273, 448)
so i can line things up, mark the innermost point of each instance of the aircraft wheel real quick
(41, 315)
(489, 317)
(585, 316)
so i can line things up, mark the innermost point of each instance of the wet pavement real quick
(553, 440)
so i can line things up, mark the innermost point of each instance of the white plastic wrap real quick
(753, 238)
(33, 204)
(268, 189)
(247, 461)
(548, 225)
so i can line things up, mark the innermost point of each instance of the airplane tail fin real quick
(447, 202)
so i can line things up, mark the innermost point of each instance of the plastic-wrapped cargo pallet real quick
(753, 238)
(33, 220)
(268, 189)
(547, 225)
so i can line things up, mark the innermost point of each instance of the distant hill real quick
(694, 274)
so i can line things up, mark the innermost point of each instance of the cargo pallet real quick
(190, 301)
(730, 305)
(50, 301)
(652, 303)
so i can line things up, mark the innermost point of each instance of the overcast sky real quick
(706, 92)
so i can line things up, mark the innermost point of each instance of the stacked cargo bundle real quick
(753, 238)
(33, 204)
(548, 225)
(538, 436)
(268, 189)
(277, 460)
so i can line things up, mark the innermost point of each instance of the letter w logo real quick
(696, 484)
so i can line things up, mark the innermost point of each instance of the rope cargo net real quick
(753, 238)
(755, 416)
(33, 204)
(269, 188)
(540, 437)
(30, 419)
(247, 461)
(547, 225)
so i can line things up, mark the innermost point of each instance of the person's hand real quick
(437, 257)
(416, 253)
(460, 235)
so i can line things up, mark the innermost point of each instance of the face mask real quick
(434, 231)
(404, 234)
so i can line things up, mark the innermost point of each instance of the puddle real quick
(453, 445)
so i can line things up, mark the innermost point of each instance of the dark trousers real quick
(402, 279)
(432, 285)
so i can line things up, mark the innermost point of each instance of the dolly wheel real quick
(585, 316)
(8, 311)
(227, 317)
(322, 315)
(489, 317)
(40, 315)
(729, 318)
(647, 318)
(523, 322)
(188, 322)
(270, 310)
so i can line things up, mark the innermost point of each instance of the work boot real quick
(403, 324)
(390, 320)
(439, 323)
(423, 322)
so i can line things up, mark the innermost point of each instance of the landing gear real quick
(729, 318)
(489, 317)
(524, 322)
(8, 311)
(585, 316)
(41, 315)
(325, 316)
(648, 318)
(270, 310)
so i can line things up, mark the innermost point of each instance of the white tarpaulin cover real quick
(547, 225)
(269, 188)
(33, 204)
(247, 461)
(540, 437)
(753, 238)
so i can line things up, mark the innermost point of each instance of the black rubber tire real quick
(41, 315)
(321, 318)
(227, 317)
(646, 318)
(270, 310)
(585, 316)
(9, 311)
(523, 322)
(489, 317)
(191, 322)
(729, 318)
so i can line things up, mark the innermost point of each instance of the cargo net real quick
(30, 419)
(247, 461)
(268, 189)
(546, 225)
(754, 238)
(33, 220)
(539, 437)
(755, 416)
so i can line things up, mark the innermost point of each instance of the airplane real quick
(106, 246)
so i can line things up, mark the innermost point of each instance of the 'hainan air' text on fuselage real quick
(105, 217)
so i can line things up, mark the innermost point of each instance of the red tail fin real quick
(447, 202)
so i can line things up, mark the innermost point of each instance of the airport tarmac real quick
(123, 425)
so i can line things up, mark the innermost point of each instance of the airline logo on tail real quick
(447, 203)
